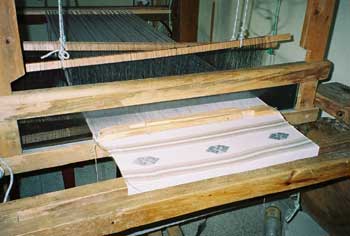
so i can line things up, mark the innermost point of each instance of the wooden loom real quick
(104, 207)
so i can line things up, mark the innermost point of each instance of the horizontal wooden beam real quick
(136, 56)
(105, 208)
(120, 131)
(103, 46)
(95, 10)
(43, 158)
(64, 100)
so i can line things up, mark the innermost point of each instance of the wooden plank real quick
(10, 143)
(306, 95)
(331, 210)
(54, 101)
(315, 39)
(202, 118)
(44, 158)
(185, 20)
(296, 117)
(334, 98)
(103, 46)
(319, 18)
(11, 67)
(11, 61)
(105, 208)
(174, 231)
(136, 56)
(156, 233)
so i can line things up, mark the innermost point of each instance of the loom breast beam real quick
(136, 56)
(54, 101)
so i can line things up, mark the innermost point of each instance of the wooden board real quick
(334, 98)
(136, 56)
(102, 46)
(10, 143)
(105, 208)
(54, 101)
(121, 131)
(330, 204)
(317, 28)
(11, 61)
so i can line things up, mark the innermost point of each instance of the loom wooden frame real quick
(223, 190)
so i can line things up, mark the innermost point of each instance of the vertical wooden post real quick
(185, 20)
(315, 39)
(11, 68)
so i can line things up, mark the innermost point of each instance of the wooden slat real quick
(315, 39)
(103, 46)
(11, 61)
(136, 56)
(54, 101)
(11, 68)
(317, 28)
(334, 98)
(202, 118)
(105, 208)
(297, 117)
(174, 231)
(156, 233)
(10, 143)
(44, 158)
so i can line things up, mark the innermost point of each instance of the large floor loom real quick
(53, 118)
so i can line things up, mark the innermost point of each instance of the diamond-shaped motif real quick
(218, 149)
(279, 136)
(146, 161)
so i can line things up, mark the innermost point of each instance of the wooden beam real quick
(315, 39)
(103, 46)
(11, 68)
(334, 98)
(11, 60)
(317, 28)
(185, 20)
(64, 100)
(105, 208)
(136, 56)
(10, 143)
(43, 158)
(202, 118)
(174, 231)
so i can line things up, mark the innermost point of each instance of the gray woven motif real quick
(218, 149)
(146, 161)
(279, 136)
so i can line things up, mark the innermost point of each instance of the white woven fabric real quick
(168, 158)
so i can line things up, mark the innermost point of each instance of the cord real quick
(7, 194)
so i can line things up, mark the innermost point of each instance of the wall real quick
(290, 21)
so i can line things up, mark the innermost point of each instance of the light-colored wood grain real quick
(148, 127)
(334, 98)
(306, 95)
(136, 56)
(105, 209)
(296, 117)
(10, 143)
(54, 101)
(156, 233)
(317, 28)
(103, 46)
(56, 156)
(174, 231)
(11, 61)
(315, 39)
